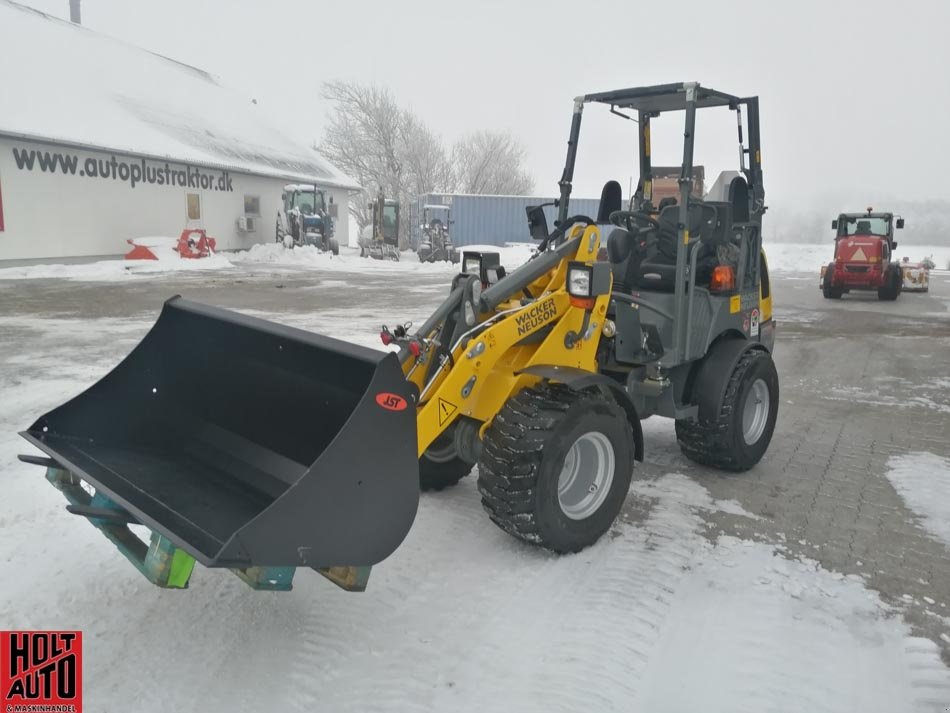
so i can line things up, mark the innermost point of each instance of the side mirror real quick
(900, 223)
(537, 222)
(834, 225)
(894, 245)
(334, 209)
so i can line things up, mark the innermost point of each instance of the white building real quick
(101, 141)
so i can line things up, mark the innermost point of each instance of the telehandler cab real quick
(242, 444)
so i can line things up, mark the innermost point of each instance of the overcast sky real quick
(855, 96)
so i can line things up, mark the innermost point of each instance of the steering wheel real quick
(562, 229)
(633, 220)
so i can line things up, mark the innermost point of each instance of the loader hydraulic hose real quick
(631, 300)
(448, 306)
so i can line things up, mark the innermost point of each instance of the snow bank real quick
(809, 257)
(923, 482)
(110, 270)
(349, 260)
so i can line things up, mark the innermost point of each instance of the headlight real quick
(578, 281)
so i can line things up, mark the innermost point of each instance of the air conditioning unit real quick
(247, 223)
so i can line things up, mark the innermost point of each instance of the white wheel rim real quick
(755, 412)
(586, 476)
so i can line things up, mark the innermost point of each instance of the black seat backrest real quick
(720, 232)
(701, 220)
(611, 199)
(739, 200)
(624, 254)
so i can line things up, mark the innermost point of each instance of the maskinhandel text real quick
(132, 171)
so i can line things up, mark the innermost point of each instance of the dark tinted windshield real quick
(863, 225)
(308, 202)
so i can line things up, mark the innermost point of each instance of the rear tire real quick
(741, 433)
(440, 467)
(556, 466)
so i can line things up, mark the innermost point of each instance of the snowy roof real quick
(62, 83)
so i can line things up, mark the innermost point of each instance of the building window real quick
(194, 206)
(252, 205)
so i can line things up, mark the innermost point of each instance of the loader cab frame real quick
(679, 310)
(869, 223)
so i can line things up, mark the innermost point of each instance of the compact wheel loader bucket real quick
(243, 443)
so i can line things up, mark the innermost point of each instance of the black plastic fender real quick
(713, 373)
(579, 380)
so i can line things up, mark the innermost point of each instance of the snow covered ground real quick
(270, 255)
(923, 481)
(658, 616)
(783, 258)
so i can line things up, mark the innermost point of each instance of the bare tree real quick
(384, 147)
(491, 162)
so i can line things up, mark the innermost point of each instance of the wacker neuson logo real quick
(130, 171)
(40, 672)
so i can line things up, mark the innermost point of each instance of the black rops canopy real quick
(662, 98)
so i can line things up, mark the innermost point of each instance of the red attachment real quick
(139, 252)
(191, 247)
(386, 338)
(415, 349)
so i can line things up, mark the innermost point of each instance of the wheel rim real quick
(586, 476)
(755, 413)
(441, 452)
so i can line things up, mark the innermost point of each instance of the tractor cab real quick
(380, 239)
(436, 245)
(306, 218)
(864, 255)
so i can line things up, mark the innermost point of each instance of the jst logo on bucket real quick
(391, 402)
(40, 671)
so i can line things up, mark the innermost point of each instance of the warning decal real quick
(754, 327)
(446, 409)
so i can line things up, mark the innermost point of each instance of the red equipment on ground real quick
(190, 247)
(193, 243)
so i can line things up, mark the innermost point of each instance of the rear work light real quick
(723, 279)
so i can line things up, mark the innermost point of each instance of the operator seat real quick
(864, 228)
(657, 271)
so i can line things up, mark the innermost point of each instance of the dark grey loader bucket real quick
(248, 443)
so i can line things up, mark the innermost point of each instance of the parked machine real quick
(380, 240)
(540, 376)
(916, 275)
(306, 218)
(864, 256)
(436, 245)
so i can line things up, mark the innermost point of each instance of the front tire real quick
(738, 438)
(829, 292)
(440, 467)
(890, 293)
(556, 466)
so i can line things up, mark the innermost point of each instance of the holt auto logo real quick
(40, 671)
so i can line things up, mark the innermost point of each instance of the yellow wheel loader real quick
(242, 444)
